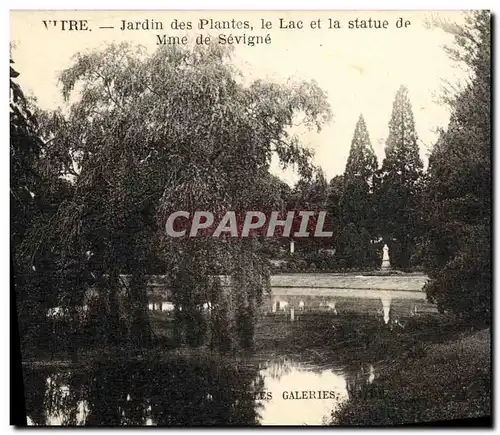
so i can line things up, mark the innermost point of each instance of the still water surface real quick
(261, 390)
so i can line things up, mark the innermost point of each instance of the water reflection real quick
(386, 304)
(191, 392)
(55, 398)
(301, 394)
(174, 393)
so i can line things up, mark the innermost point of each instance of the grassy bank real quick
(446, 381)
(353, 338)
(350, 337)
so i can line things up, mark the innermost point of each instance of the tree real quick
(309, 194)
(154, 134)
(457, 197)
(362, 162)
(335, 189)
(276, 194)
(33, 203)
(357, 200)
(399, 183)
(25, 148)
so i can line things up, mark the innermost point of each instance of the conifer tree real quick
(362, 161)
(400, 178)
(356, 203)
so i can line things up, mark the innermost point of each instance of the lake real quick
(193, 391)
(298, 374)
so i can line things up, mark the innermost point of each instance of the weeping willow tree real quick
(146, 135)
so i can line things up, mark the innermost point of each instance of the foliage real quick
(399, 184)
(310, 195)
(152, 134)
(458, 386)
(335, 189)
(34, 201)
(357, 202)
(457, 201)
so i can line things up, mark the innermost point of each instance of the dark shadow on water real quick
(173, 393)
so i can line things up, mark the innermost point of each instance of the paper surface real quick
(159, 279)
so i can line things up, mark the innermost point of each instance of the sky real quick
(359, 69)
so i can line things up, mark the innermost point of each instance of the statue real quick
(386, 263)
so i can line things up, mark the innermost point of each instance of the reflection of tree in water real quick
(176, 393)
(279, 367)
(362, 388)
(204, 394)
(258, 383)
(359, 381)
(116, 395)
(34, 393)
(55, 397)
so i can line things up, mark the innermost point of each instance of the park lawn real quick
(448, 381)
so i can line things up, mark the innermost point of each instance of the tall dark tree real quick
(25, 149)
(335, 189)
(357, 200)
(25, 201)
(140, 159)
(362, 162)
(37, 191)
(457, 200)
(400, 180)
(310, 194)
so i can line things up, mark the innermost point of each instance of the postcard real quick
(251, 218)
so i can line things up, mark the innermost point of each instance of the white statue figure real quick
(386, 263)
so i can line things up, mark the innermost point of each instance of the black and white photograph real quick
(251, 218)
